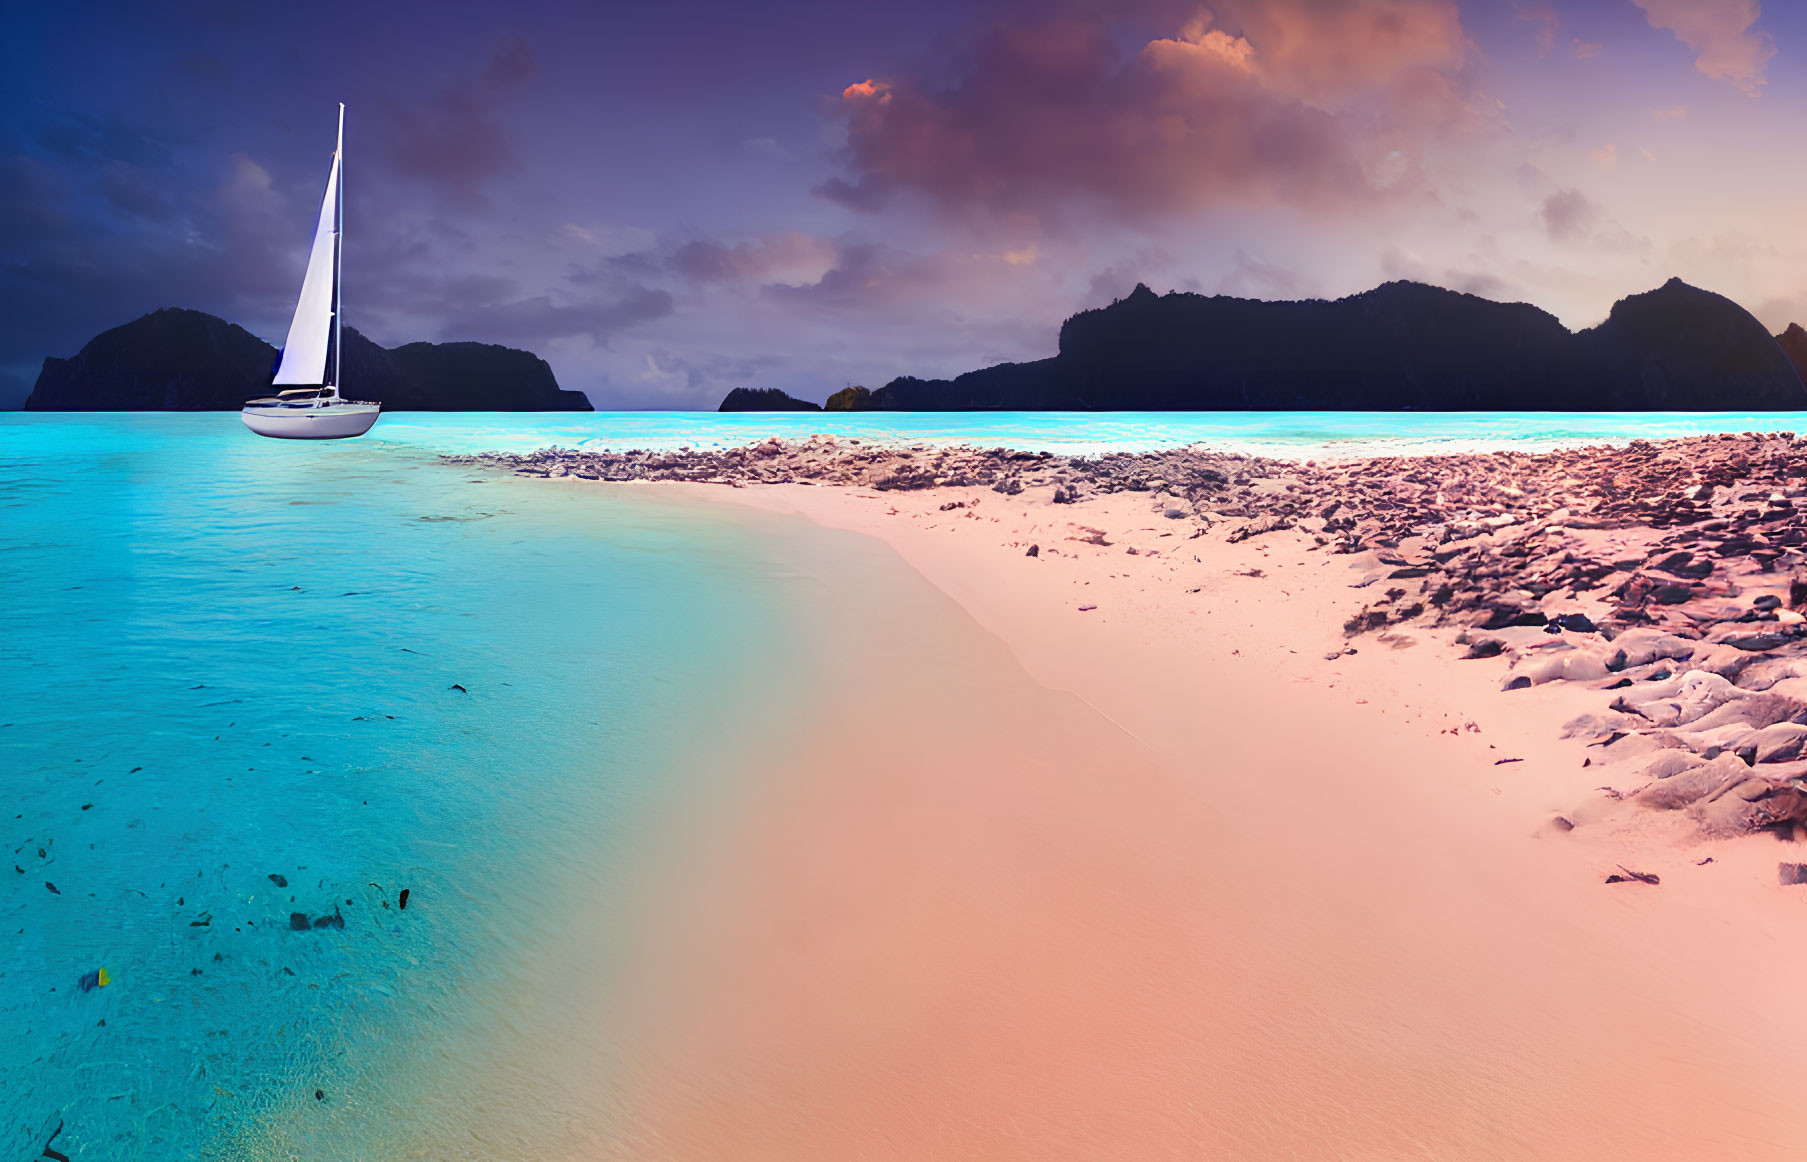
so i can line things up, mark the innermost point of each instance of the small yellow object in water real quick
(104, 978)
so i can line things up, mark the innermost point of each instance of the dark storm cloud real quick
(541, 317)
(455, 140)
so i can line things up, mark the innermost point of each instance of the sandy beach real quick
(1193, 855)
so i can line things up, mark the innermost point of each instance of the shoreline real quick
(1404, 865)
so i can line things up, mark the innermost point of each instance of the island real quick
(182, 360)
(1402, 345)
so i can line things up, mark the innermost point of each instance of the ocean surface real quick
(229, 673)
(251, 690)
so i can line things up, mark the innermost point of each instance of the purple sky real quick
(669, 200)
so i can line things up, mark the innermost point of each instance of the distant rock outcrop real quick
(180, 360)
(849, 399)
(1794, 345)
(1401, 345)
(764, 399)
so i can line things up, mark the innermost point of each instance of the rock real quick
(298, 922)
(1595, 728)
(1781, 743)
(1766, 602)
(1693, 785)
(1789, 874)
(1576, 623)
(1647, 645)
(278, 880)
(1034, 551)
(1760, 642)
(1670, 763)
(1752, 804)
(1486, 648)
(403, 900)
(764, 399)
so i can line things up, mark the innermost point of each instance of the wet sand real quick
(1159, 878)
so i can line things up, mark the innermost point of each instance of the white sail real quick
(304, 355)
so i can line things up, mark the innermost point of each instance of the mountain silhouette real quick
(181, 360)
(1400, 345)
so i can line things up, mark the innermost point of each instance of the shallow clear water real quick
(224, 659)
(1289, 434)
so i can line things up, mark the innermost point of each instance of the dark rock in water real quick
(1794, 345)
(764, 399)
(319, 1095)
(180, 360)
(298, 922)
(89, 981)
(1401, 345)
(279, 880)
(53, 888)
(402, 900)
(850, 399)
(336, 920)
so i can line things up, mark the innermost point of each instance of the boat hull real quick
(333, 422)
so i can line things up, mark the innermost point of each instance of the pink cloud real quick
(1546, 21)
(1308, 103)
(1719, 32)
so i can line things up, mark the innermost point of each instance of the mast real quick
(339, 252)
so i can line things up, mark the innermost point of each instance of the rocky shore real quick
(1671, 577)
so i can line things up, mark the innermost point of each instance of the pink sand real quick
(1157, 880)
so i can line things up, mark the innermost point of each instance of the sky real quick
(668, 200)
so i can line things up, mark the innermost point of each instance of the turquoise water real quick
(1290, 434)
(223, 659)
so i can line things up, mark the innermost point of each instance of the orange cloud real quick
(866, 88)
(1719, 32)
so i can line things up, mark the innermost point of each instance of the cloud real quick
(790, 256)
(453, 140)
(1719, 32)
(1568, 215)
(542, 318)
(1546, 22)
(1305, 103)
(1672, 113)
(1605, 156)
(1586, 50)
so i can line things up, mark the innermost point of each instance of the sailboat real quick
(311, 407)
